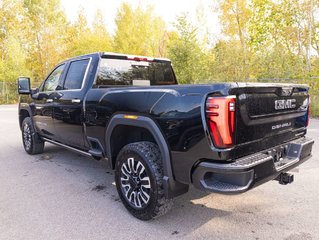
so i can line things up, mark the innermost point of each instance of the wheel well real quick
(124, 134)
(22, 115)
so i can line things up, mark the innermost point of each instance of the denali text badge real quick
(288, 124)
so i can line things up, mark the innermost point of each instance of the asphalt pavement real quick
(62, 195)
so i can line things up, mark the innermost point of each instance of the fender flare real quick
(172, 188)
(26, 107)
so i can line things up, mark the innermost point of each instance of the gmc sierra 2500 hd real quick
(161, 137)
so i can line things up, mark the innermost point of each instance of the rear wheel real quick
(32, 143)
(139, 180)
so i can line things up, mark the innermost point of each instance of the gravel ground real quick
(62, 195)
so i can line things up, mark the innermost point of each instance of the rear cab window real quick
(124, 72)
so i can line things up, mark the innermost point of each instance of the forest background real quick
(261, 41)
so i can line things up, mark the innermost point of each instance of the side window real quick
(75, 75)
(53, 80)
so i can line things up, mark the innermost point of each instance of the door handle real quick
(76, 100)
(49, 100)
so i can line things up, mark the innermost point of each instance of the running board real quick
(96, 148)
(69, 148)
(96, 153)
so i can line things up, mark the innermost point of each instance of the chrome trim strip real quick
(142, 89)
(86, 71)
(229, 96)
(67, 147)
(83, 81)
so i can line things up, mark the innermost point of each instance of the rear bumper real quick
(250, 171)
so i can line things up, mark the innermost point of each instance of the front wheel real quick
(32, 143)
(139, 180)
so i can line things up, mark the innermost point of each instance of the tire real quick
(139, 180)
(32, 143)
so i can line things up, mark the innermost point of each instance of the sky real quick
(167, 9)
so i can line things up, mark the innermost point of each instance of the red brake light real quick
(135, 58)
(220, 114)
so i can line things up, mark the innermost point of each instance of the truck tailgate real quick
(268, 115)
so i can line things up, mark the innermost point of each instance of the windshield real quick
(130, 72)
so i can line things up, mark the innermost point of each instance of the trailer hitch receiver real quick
(285, 178)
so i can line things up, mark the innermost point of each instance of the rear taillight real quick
(220, 114)
(308, 111)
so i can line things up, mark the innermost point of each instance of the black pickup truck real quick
(161, 137)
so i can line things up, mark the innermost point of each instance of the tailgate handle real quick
(76, 100)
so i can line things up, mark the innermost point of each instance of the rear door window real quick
(75, 75)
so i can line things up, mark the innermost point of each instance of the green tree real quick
(279, 37)
(228, 62)
(138, 31)
(235, 20)
(100, 39)
(190, 61)
(12, 52)
(81, 39)
(45, 36)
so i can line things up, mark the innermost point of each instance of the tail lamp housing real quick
(220, 115)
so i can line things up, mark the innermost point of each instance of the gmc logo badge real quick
(285, 104)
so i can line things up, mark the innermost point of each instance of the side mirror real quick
(24, 85)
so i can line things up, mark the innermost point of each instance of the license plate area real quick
(281, 156)
(279, 153)
(285, 162)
